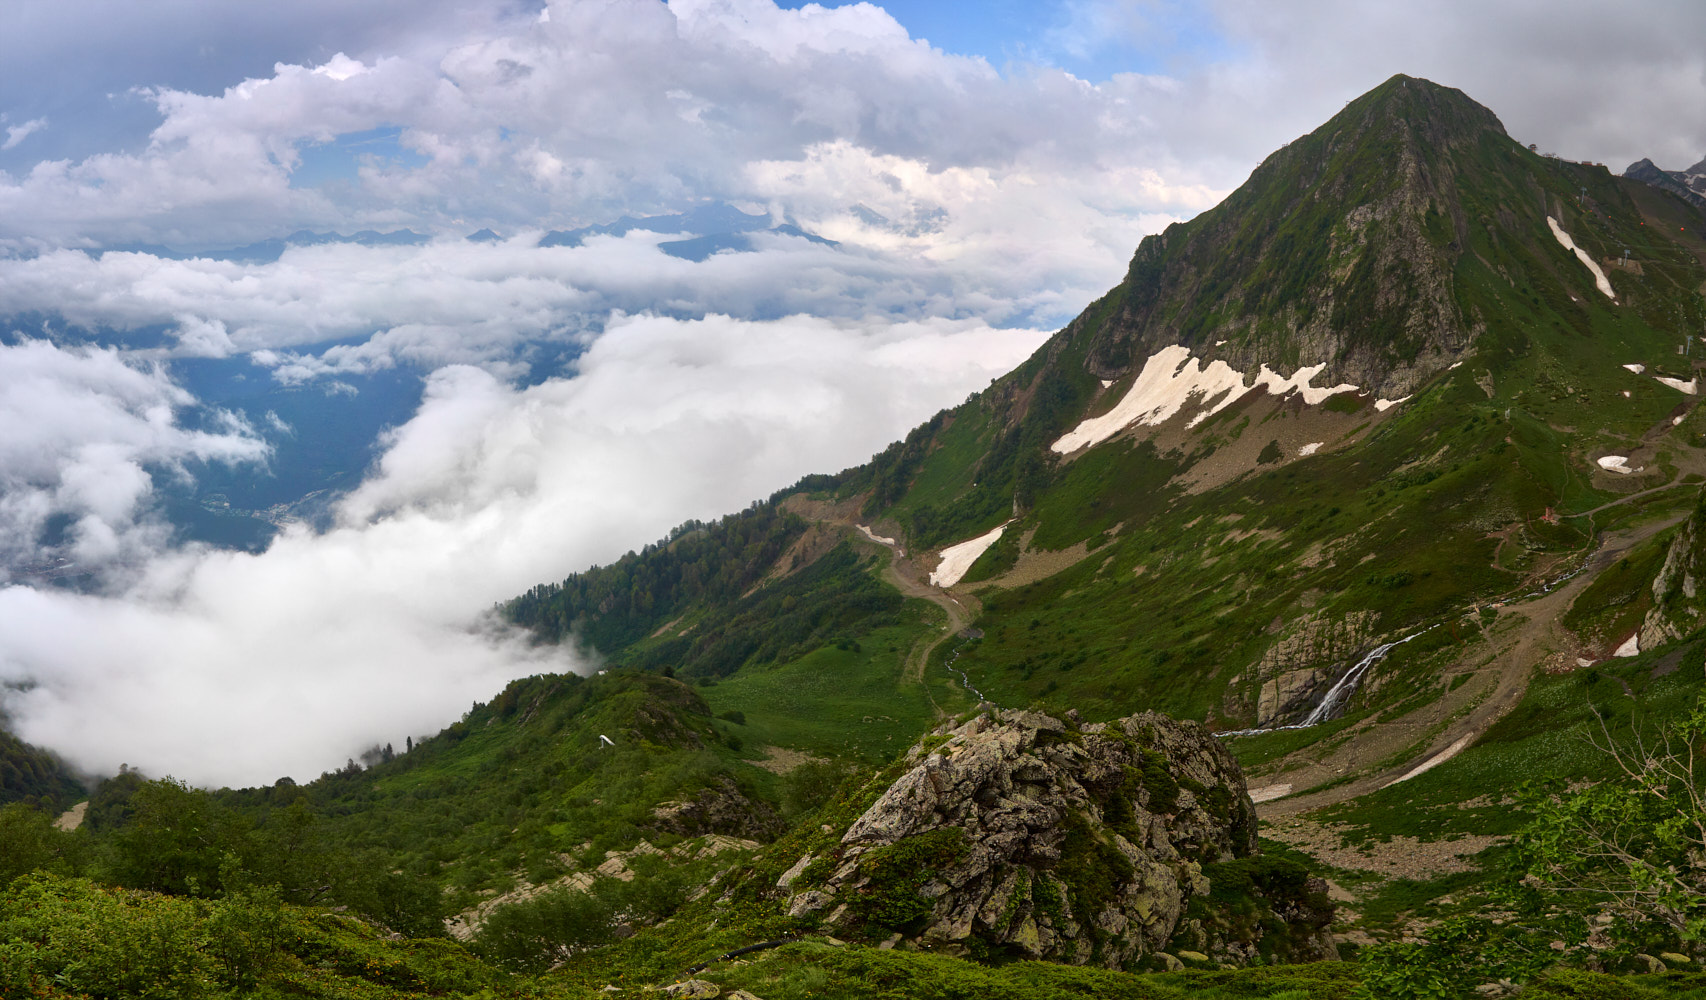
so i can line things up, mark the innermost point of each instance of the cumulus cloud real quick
(225, 667)
(83, 429)
(18, 133)
(597, 109)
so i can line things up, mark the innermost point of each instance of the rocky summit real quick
(1029, 835)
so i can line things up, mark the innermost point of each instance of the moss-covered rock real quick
(1021, 835)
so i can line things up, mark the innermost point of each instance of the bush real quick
(533, 934)
(77, 937)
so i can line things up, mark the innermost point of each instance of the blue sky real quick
(975, 207)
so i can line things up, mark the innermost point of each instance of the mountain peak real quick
(1340, 250)
(1430, 109)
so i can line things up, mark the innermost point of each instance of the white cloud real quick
(83, 427)
(601, 108)
(18, 133)
(224, 667)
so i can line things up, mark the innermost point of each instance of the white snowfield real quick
(1617, 463)
(1170, 379)
(956, 559)
(1631, 646)
(1382, 405)
(1268, 793)
(1599, 279)
(1690, 386)
(1310, 448)
(1637, 369)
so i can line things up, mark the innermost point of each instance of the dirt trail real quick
(904, 575)
(1500, 663)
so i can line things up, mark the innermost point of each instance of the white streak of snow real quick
(956, 559)
(1617, 463)
(1676, 421)
(1630, 647)
(1432, 762)
(1599, 278)
(1268, 793)
(1637, 369)
(873, 536)
(1679, 385)
(1453, 365)
(1299, 382)
(1107, 382)
(1309, 449)
(1170, 379)
(1382, 405)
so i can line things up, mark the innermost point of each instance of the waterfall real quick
(1341, 690)
(1346, 686)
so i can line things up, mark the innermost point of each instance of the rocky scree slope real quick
(1026, 835)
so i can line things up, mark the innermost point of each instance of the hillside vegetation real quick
(1473, 574)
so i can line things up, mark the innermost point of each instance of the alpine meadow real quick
(1321, 613)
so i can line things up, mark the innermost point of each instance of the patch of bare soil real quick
(1259, 420)
(1036, 564)
(781, 760)
(1401, 857)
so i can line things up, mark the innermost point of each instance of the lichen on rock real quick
(1021, 835)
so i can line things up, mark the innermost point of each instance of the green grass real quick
(833, 702)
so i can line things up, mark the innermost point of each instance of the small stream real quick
(965, 681)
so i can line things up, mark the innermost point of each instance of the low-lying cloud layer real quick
(225, 667)
(975, 207)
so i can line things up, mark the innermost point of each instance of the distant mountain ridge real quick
(1689, 185)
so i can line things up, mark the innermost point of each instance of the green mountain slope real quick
(1389, 468)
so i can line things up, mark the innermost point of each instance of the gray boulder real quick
(1020, 834)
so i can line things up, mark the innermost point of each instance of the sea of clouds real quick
(975, 209)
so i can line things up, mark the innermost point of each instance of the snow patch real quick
(1309, 449)
(1173, 377)
(1432, 762)
(1382, 405)
(1107, 382)
(1454, 365)
(1599, 278)
(1168, 380)
(1268, 793)
(957, 559)
(1618, 464)
(1679, 385)
(873, 536)
(1631, 646)
(1637, 369)
(1300, 383)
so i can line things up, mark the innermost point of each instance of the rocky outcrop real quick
(719, 808)
(1314, 652)
(1024, 835)
(1679, 605)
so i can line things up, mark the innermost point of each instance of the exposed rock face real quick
(1304, 663)
(1025, 835)
(1361, 261)
(719, 808)
(1679, 603)
(1689, 185)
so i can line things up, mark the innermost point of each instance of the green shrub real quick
(83, 939)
